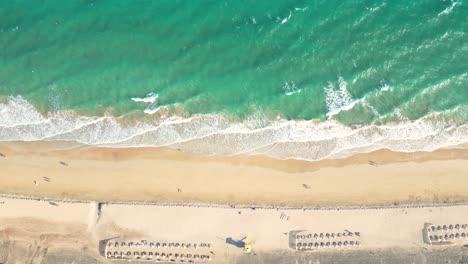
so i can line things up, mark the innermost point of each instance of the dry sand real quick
(58, 231)
(166, 175)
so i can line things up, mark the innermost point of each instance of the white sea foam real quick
(286, 19)
(338, 99)
(449, 9)
(291, 88)
(149, 98)
(152, 109)
(216, 134)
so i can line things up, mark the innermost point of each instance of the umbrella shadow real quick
(236, 243)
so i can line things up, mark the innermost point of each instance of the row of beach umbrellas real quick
(327, 244)
(448, 237)
(159, 245)
(434, 228)
(327, 235)
(151, 255)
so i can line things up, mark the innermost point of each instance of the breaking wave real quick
(216, 134)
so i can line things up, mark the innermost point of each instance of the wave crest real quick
(212, 134)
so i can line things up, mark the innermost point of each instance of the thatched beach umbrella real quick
(334, 244)
(451, 227)
(351, 243)
(340, 243)
(315, 235)
(123, 244)
(439, 228)
(151, 244)
(457, 226)
(321, 235)
(327, 235)
(327, 244)
(109, 254)
(309, 236)
(332, 235)
(345, 243)
(310, 245)
(463, 235)
(322, 244)
(444, 227)
(177, 245)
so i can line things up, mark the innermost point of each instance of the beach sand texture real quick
(167, 175)
(55, 233)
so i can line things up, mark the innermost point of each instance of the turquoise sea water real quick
(224, 77)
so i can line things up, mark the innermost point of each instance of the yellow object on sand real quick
(247, 246)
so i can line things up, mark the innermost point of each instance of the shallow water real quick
(227, 77)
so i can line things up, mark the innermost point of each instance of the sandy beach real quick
(167, 175)
(59, 231)
(60, 201)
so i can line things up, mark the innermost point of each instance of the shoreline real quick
(165, 175)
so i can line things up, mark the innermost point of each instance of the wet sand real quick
(167, 175)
